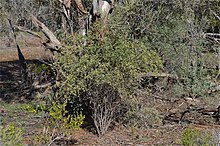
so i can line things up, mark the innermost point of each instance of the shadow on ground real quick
(10, 79)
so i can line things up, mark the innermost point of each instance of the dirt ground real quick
(168, 133)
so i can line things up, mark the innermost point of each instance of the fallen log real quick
(179, 115)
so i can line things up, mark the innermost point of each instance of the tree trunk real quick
(22, 62)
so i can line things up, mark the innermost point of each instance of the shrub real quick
(140, 116)
(58, 121)
(59, 114)
(103, 71)
(193, 137)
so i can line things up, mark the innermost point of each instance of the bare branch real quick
(58, 137)
(46, 31)
(212, 34)
(215, 14)
(28, 31)
(80, 7)
(162, 75)
(35, 87)
(53, 42)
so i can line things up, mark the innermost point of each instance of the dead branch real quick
(80, 8)
(36, 87)
(208, 111)
(212, 34)
(160, 75)
(53, 140)
(165, 99)
(215, 14)
(53, 43)
(28, 31)
(50, 36)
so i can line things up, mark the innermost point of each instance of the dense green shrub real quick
(111, 63)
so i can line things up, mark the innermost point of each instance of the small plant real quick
(196, 82)
(10, 135)
(193, 137)
(59, 114)
(105, 101)
(58, 121)
(140, 116)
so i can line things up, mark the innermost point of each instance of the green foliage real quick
(58, 113)
(40, 68)
(106, 61)
(175, 29)
(193, 137)
(117, 61)
(57, 119)
(196, 82)
(11, 135)
(97, 71)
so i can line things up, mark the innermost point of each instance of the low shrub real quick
(140, 116)
(10, 135)
(193, 137)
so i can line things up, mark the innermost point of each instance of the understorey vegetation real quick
(145, 52)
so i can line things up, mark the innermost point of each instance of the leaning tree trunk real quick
(22, 62)
(100, 12)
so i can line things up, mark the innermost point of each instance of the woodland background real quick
(147, 75)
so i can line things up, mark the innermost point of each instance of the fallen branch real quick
(35, 87)
(28, 31)
(159, 75)
(46, 31)
(165, 99)
(58, 137)
(180, 114)
(212, 34)
(53, 43)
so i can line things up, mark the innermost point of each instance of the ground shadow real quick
(10, 79)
